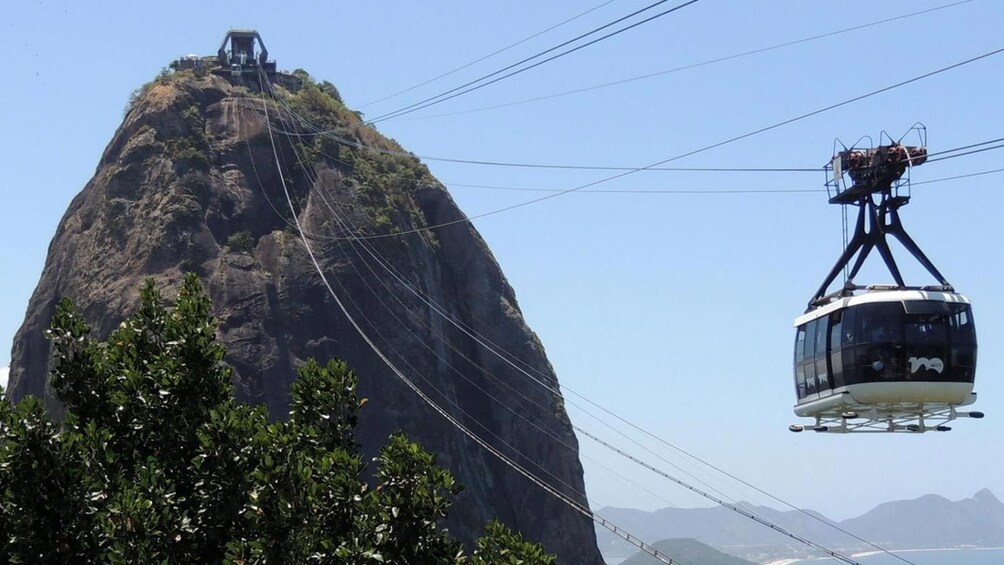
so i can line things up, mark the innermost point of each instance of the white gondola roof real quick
(880, 296)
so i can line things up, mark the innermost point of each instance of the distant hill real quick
(687, 550)
(712, 525)
(934, 521)
(927, 522)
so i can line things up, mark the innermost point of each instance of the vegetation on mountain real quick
(687, 550)
(155, 209)
(241, 242)
(383, 173)
(156, 462)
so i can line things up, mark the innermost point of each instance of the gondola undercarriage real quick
(839, 413)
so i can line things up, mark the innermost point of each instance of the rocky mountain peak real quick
(985, 496)
(208, 174)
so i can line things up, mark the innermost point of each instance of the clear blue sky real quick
(673, 309)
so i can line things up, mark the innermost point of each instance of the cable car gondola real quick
(882, 358)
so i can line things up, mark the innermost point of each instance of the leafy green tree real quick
(156, 462)
(502, 546)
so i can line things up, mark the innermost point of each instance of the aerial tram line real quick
(860, 539)
(715, 191)
(733, 507)
(343, 224)
(313, 130)
(688, 66)
(882, 358)
(619, 532)
(432, 403)
(360, 238)
(727, 505)
(515, 69)
(752, 133)
(468, 218)
(492, 54)
(354, 245)
(411, 384)
(941, 154)
(599, 519)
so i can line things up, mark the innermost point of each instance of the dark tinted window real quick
(800, 362)
(847, 325)
(836, 330)
(810, 340)
(836, 358)
(961, 321)
(880, 322)
(821, 335)
(913, 340)
(810, 353)
(926, 328)
(800, 380)
(800, 344)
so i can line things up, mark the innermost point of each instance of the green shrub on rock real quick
(156, 462)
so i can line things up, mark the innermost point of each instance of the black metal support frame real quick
(244, 34)
(874, 223)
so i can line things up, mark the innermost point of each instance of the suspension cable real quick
(492, 54)
(575, 505)
(695, 151)
(732, 507)
(684, 67)
(703, 191)
(472, 85)
(694, 489)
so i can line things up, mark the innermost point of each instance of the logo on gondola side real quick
(933, 364)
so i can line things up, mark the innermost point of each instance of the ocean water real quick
(932, 557)
(923, 557)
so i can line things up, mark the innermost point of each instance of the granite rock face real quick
(196, 179)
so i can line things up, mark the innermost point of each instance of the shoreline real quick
(959, 548)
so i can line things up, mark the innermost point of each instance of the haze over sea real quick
(974, 556)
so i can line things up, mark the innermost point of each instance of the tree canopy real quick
(155, 462)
